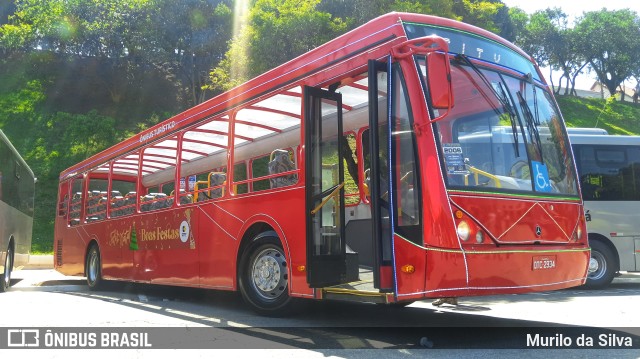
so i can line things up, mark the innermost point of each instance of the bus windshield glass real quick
(503, 133)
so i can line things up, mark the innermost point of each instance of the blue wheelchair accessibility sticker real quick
(541, 177)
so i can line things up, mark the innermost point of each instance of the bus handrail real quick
(477, 172)
(324, 201)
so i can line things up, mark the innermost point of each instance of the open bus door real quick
(379, 174)
(326, 246)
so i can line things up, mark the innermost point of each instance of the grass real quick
(619, 118)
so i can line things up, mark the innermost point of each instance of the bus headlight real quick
(480, 237)
(463, 230)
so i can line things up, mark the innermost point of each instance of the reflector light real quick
(302, 268)
(408, 268)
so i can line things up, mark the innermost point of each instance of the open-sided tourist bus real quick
(361, 170)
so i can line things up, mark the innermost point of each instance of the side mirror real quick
(439, 80)
(436, 51)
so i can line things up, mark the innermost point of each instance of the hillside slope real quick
(621, 118)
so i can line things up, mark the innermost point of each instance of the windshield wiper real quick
(502, 98)
(532, 128)
(529, 77)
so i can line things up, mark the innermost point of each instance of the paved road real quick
(326, 328)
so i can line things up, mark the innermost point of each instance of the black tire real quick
(264, 277)
(93, 268)
(8, 268)
(602, 266)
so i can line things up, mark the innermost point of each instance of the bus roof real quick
(8, 143)
(586, 131)
(373, 39)
(608, 140)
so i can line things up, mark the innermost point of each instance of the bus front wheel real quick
(6, 275)
(264, 275)
(601, 266)
(93, 268)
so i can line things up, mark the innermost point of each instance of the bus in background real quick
(609, 171)
(17, 189)
(363, 170)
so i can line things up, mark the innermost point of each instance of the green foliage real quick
(276, 31)
(480, 13)
(614, 116)
(607, 42)
(611, 44)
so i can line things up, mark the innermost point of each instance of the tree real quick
(515, 29)
(481, 13)
(610, 41)
(189, 37)
(276, 31)
(559, 43)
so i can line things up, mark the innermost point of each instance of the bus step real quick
(360, 296)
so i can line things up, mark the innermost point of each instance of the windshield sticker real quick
(454, 158)
(541, 177)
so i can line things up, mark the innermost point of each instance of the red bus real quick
(413, 157)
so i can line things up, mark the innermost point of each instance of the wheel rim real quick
(268, 274)
(92, 271)
(597, 265)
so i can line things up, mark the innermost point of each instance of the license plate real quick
(544, 262)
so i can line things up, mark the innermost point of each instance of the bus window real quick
(351, 191)
(124, 176)
(96, 200)
(157, 197)
(609, 173)
(406, 175)
(205, 186)
(76, 201)
(203, 161)
(123, 198)
(158, 170)
(274, 124)
(260, 168)
(63, 204)
(240, 174)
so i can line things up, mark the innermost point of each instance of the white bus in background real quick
(17, 188)
(609, 172)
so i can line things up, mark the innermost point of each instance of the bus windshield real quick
(503, 133)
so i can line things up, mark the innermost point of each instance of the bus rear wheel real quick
(6, 275)
(601, 266)
(93, 268)
(264, 276)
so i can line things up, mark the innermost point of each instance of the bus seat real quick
(159, 201)
(186, 199)
(145, 202)
(217, 179)
(116, 203)
(280, 162)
